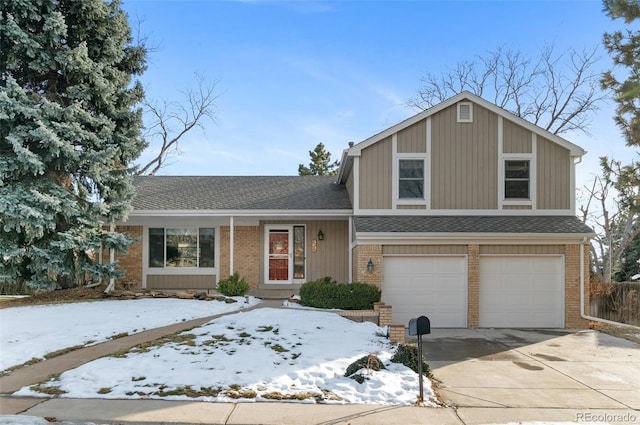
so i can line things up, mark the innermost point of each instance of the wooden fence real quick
(619, 301)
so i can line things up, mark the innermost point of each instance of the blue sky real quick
(294, 73)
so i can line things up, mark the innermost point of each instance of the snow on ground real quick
(260, 355)
(33, 331)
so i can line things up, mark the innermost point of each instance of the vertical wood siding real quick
(516, 139)
(553, 176)
(522, 249)
(375, 176)
(423, 249)
(516, 207)
(464, 163)
(413, 139)
(332, 255)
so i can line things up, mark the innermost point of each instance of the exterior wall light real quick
(370, 266)
(320, 235)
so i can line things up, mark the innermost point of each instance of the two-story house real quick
(464, 213)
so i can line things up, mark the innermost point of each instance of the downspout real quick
(231, 240)
(350, 248)
(582, 297)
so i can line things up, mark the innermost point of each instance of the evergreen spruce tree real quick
(320, 164)
(69, 130)
(624, 48)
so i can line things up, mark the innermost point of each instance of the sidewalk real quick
(186, 412)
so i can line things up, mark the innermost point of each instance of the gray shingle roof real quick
(471, 224)
(239, 193)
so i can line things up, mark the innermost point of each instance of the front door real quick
(285, 254)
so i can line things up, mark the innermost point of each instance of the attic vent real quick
(465, 112)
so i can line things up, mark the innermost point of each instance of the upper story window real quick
(411, 179)
(516, 179)
(465, 112)
(181, 247)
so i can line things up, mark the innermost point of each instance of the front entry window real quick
(298, 252)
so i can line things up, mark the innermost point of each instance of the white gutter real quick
(403, 238)
(582, 297)
(240, 213)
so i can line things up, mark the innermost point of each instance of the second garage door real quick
(432, 286)
(522, 292)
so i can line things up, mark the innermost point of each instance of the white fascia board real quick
(345, 166)
(241, 213)
(388, 238)
(575, 150)
(431, 212)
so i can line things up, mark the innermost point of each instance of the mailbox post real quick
(420, 326)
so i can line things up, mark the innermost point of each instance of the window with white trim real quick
(517, 179)
(465, 112)
(411, 179)
(181, 247)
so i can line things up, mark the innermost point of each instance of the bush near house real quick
(233, 286)
(327, 293)
(407, 354)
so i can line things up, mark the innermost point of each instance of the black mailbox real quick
(420, 326)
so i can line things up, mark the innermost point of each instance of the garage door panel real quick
(521, 292)
(431, 286)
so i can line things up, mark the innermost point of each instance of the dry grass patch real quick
(624, 332)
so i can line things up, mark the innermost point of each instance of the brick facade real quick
(246, 253)
(361, 256)
(131, 262)
(473, 286)
(572, 286)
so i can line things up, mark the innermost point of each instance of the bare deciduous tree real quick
(612, 207)
(558, 92)
(172, 120)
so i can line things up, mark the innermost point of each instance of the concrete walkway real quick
(486, 376)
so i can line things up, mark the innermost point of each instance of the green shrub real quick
(370, 362)
(327, 293)
(407, 354)
(233, 286)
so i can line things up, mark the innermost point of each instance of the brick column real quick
(131, 262)
(572, 318)
(473, 288)
(397, 334)
(384, 315)
(361, 256)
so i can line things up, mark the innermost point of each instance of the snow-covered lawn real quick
(34, 331)
(261, 355)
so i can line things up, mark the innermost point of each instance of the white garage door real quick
(435, 287)
(521, 292)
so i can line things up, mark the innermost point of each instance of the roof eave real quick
(239, 213)
(486, 238)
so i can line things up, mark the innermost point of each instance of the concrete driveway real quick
(579, 376)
